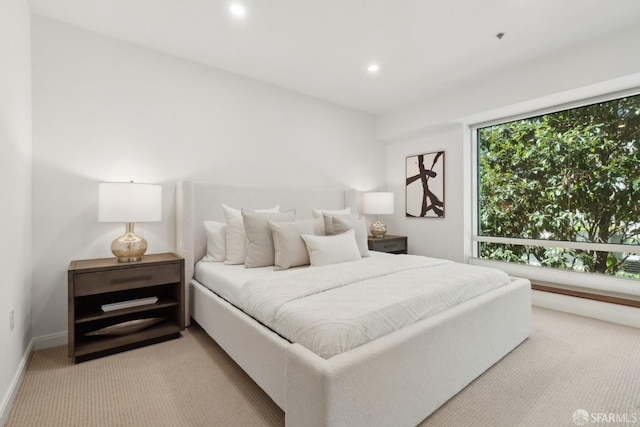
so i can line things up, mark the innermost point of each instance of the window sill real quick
(574, 291)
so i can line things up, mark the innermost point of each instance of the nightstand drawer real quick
(115, 280)
(389, 244)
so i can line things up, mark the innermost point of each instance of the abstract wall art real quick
(425, 185)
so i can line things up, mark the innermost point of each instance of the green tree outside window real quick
(573, 175)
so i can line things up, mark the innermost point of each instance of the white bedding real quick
(335, 308)
(227, 280)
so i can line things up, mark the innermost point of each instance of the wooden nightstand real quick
(96, 282)
(390, 244)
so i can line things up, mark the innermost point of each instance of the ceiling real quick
(322, 47)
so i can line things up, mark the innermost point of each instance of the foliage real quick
(573, 175)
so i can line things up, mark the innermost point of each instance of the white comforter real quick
(335, 308)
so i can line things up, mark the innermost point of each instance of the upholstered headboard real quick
(199, 201)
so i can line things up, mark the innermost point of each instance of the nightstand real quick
(389, 243)
(96, 328)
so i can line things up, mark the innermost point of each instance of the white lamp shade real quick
(129, 202)
(378, 203)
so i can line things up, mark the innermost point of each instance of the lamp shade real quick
(129, 202)
(378, 203)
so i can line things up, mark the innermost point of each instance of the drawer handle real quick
(131, 279)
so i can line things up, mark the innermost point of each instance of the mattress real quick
(332, 309)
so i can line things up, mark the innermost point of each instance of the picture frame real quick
(424, 185)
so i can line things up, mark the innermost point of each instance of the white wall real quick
(586, 70)
(436, 237)
(15, 192)
(105, 110)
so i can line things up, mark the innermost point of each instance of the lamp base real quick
(129, 247)
(378, 229)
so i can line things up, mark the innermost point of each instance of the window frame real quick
(598, 284)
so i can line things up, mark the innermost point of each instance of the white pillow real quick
(324, 250)
(216, 241)
(328, 221)
(341, 225)
(259, 250)
(236, 236)
(318, 225)
(290, 249)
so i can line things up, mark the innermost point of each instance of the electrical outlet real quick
(11, 320)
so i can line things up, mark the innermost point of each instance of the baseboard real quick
(48, 341)
(12, 393)
(39, 343)
(614, 313)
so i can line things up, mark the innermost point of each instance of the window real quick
(562, 189)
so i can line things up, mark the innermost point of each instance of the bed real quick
(397, 379)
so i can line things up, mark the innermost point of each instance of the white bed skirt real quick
(395, 380)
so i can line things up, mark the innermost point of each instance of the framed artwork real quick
(425, 185)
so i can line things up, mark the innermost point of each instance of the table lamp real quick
(378, 203)
(129, 202)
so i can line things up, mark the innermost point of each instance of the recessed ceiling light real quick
(373, 68)
(237, 10)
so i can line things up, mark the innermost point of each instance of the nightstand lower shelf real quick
(99, 344)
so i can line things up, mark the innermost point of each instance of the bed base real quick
(395, 380)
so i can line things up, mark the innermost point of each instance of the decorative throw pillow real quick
(216, 241)
(341, 225)
(236, 236)
(328, 221)
(324, 250)
(290, 249)
(318, 225)
(259, 249)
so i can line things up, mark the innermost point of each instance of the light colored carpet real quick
(569, 363)
(187, 381)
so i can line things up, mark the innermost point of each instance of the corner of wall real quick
(10, 396)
